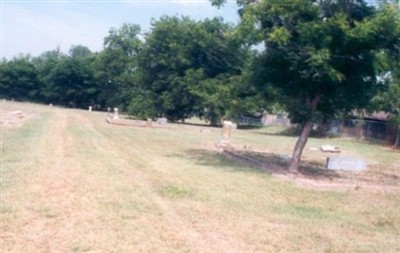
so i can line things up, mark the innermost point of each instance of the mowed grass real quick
(71, 182)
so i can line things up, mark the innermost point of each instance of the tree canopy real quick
(318, 55)
(19, 79)
(115, 66)
(187, 68)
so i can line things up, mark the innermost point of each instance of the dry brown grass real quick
(73, 183)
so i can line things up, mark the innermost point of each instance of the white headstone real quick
(90, 108)
(162, 121)
(227, 127)
(115, 113)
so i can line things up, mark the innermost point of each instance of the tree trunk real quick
(397, 142)
(305, 132)
(298, 149)
(214, 121)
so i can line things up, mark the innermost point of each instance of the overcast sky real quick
(37, 26)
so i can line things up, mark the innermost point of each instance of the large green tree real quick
(19, 79)
(115, 66)
(318, 55)
(71, 83)
(162, 65)
(44, 64)
(187, 68)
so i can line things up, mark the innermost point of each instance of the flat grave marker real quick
(345, 163)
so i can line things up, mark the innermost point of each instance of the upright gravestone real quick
(115, 113)
(90, 108)
(108, 112)
(226, 132)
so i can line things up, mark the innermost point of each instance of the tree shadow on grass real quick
(256, 162)
(317, 171)
(218, 160)
(278, 164)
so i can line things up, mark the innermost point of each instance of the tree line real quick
(316, 59)
(182, 68)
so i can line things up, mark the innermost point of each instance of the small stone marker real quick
(16, 112)
(115, 113)
(330, 149)
(162, 121)
(286, 157)
(334, 130)
(90, 108)
(345, 163)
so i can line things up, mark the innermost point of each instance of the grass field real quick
(70, 182)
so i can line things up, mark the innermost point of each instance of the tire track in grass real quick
(61, 208)
(172, 225)
(37, 213)
(47, 205)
